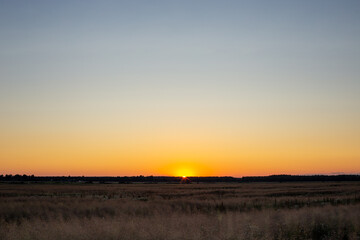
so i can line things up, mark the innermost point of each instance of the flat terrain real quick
(316, 210)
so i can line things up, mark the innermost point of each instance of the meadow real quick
(317, 210)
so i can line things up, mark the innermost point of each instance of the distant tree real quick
(185, 180)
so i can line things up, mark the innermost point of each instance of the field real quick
(317, 210)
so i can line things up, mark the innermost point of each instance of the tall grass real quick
(195, 211)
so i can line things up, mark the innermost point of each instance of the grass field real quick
(180, 211)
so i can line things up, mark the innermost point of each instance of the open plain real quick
(315, 210)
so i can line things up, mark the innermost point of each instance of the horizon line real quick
(220, 176)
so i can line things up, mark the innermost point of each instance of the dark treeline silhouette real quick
(162, 179)
(301, 178)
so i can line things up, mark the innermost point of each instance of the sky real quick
(207, 88)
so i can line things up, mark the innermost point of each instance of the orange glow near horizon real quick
(197, 154)
(175, 146)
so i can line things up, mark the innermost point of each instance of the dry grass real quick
(171, 211)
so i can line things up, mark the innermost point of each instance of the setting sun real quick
(185, 169)
(184, 172)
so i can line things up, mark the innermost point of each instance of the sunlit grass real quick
(180, 211)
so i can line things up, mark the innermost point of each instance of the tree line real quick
(18, 178)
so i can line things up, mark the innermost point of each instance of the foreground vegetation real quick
(180, 211)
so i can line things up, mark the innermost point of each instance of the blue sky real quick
(147, 64)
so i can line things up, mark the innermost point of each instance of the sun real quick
(184, 172)
(185, 169)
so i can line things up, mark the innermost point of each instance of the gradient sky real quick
(179, 87)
